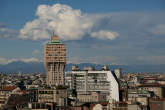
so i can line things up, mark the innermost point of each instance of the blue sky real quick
(102, 31)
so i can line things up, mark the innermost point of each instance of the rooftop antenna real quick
(52, 35)
(53, 32)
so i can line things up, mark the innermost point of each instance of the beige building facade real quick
(91, 97)
(54, 61)
(53, 95)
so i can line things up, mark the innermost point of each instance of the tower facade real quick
(54, 61)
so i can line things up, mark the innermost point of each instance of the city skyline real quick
(106, 32)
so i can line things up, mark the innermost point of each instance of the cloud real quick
(34, 52)
(7, 33)
(3, 61)
(151, 59)
(67, 23)
(26, 60)
(97, 60)
(141, 33)
(159, 29)
(104, 34)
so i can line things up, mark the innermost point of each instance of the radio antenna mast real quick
(52, 35)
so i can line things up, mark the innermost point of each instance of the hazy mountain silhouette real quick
(23, 67)
(36, 67)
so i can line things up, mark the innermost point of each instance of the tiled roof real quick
(8, 88)
(152, 85)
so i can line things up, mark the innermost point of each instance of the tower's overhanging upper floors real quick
(54, 61)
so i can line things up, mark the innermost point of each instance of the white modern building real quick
(118, 72)
(90, 80)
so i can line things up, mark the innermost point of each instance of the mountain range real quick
(38, 67)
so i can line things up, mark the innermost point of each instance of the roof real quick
(157, 99)
(8, 88)
(138, 92)
(152, 85)
(54, 40)
(24, 91)
(101, 103)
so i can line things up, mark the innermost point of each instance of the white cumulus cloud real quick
(104, 34)
(26, 60)
(67, 23)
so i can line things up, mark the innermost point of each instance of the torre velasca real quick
(54, 61)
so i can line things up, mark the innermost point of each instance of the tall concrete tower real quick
(54, 61)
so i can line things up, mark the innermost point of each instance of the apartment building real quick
(89, 80)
